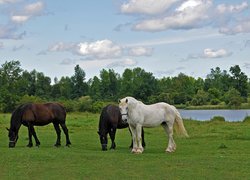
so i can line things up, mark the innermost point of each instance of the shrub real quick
(215, 101)
(218, 119)
(84, 104)
(246, 119)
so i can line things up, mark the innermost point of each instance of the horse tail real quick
(179, 125)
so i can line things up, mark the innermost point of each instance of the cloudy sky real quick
(164, 37)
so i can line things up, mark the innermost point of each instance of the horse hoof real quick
(29, 145)
(139, 150)
(57, 145)
(170, 150)
(134, 150)
(68, 145)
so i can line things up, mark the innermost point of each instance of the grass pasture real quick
(215, 150)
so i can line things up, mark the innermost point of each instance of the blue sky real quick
(164, 37)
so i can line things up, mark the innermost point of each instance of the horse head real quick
(13, 137)
(103, 140)
(123, 106)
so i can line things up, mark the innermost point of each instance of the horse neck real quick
(16, 118)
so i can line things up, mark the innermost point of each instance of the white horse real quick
(139, 115)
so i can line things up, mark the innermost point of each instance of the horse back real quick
(42, 114)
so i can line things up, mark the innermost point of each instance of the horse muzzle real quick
(125, 117)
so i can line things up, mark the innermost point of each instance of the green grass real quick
(215, 150)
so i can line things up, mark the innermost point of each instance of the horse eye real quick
(126, 108)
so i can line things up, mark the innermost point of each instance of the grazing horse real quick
(31, 115)
(110, 120)
(139, 115)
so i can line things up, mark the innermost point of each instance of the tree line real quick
(220, 87)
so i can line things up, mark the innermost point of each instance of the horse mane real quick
(132, 101)
(17, 115)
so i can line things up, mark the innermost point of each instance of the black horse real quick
(110, 120)
(31, 115)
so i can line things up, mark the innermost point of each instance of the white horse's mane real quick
(129, 98)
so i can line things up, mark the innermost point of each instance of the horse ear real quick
(8, 129)
(126, 100)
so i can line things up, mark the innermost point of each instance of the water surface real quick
(203, 115)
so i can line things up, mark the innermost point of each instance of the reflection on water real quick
(203, 115)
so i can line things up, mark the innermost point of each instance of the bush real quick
(70, 105)
(218, 119)
(215, 101)
(246, 119)
(84, 104)
(30, 99)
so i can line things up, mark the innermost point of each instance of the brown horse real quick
(110, 120)
(31, 115)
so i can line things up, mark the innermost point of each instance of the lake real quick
(203, 115)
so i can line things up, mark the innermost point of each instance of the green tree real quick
(43, 87)
(200, 98)
(94, 88)
(218, 79)
(10, 74)
(109, 84)
(80, 87)
(239, 80)
(66, 87)
(233, 98)
(144, 84)
(127, 85)
(214, 96)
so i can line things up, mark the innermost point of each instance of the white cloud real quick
(34, 8)
(9, 32)
(188, 15)
(60, 46)
(124, 63)
(189, 4)
(99, 49)
(19, 19)
(27, 12)
(223, 8)
(8, 1)
(147, 6)
(212, 53)
(141, 51)
(239, 27)
(209, 53)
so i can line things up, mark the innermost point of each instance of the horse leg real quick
(138, 136)
(169, 130)
(142, 136)
(133, 131)
(30, 136)
(58, 133)
(66, 132)
(112, 137)
(33, 132)
(131, 145)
